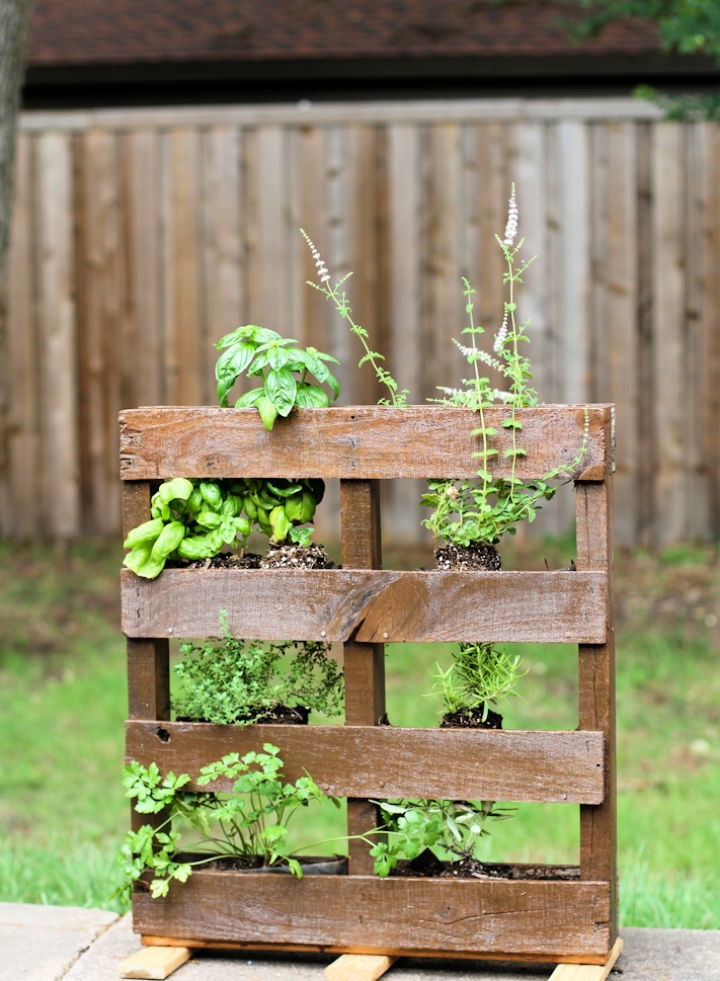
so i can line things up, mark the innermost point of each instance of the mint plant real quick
(239, 682)
(338, 296)
(282, 368)
(250, 821)
(483, 509)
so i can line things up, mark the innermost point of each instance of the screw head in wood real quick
(385, 635)
(323, 633)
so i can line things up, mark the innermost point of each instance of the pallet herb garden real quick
(196, 481)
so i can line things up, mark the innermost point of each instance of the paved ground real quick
(52, 943)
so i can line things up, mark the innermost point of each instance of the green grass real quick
(62, 678)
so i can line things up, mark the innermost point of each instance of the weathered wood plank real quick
(469, 916)
(381, 762)
(588, 972)
(359, 967)
(362, 442)
(369, 606)
(20, 511)
(596, 685)
(363, 663)
(57, 371)
(156, 963)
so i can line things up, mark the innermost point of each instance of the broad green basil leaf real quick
(280, 388)
(311, 397)
(178, 489)
(277, 357)
(268, 412)
(167, 541)
(279, 524)
(249, 398)
(148, 531)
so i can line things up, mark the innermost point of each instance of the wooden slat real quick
(57, 372)
(359, 967)
(363, 663)
(362, 442)
(544, 919)
(21, 514)
(388, 762)
(669, 341)
(596, 684)
(155, 963)
(370, 607)
(588, 972)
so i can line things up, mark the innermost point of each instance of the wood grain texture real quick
(596, 684)
(359, 967)
(156, 963)
(391, 916)
(388, 762)
(360, 442)
(363, 663)
(588, 972)
(368, 605)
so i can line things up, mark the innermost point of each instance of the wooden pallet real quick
(364, 606)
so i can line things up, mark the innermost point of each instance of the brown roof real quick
(92, 32)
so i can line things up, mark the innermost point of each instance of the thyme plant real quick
(240, 682)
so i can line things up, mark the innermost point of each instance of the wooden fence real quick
(141, 236)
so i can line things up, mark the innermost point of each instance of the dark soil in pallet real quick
(472, 719)
(227, 560)
(428, 866)
(290, 556)
(474, 558)
(311, 864)
(281, 715)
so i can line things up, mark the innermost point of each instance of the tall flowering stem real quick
(333, 292)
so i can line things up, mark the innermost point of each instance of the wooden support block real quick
(154, 962)
(588, 972)
(359, 967)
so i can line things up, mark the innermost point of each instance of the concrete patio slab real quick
(49, 943)
(41, 943)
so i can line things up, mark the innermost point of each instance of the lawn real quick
(62, 676)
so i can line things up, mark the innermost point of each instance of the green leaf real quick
(249, 398)
(230, 364)
(267, 410)
(311, 397)
(512, 424)
(178, 489)
(148, 531)
(280, 388)
(279, 523)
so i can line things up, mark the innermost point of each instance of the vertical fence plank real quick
(708, 404)
(698, 357)
(100, 344)
(669, 349)
(407, 349)
(616, 342)
(221, 247)
(21, 513)
(59, 475)
(144, 360)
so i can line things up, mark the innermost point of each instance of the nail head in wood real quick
(154, 963)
